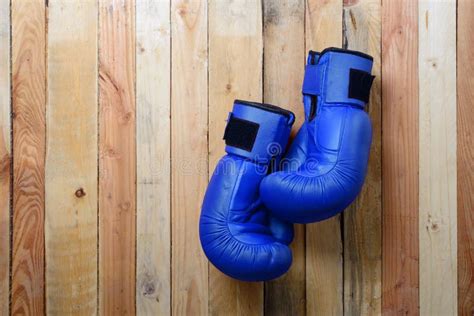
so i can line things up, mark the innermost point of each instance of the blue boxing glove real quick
(237, 233)
(326, 164)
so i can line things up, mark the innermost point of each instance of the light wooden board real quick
(153, 288)
(400, 158)
(117, 157)
(283, 74)
(437, 157)
(28, 95)
(71, 149)
(189, 152)
(5, 156)
(235, 72)
(465, 156)
(363, 219)
(324, 268)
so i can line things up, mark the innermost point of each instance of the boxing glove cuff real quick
(345, 77)
(257, 131)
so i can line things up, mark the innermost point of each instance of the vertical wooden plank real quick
(235, 72)
(324, 269)
(28, 92)
(189, 152)
(437, 157)
(5, 156)
(71, 160)
(363, 219)
(400, 158)
(283, 72)
(117, 156)
(465, 156)
(153, 157)
(323, 24)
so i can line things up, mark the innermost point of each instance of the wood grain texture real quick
(153, 288)
(5, 156)
(437, 157)
(363, 219)
(465, 156)
(324, 261)
(78, 171)
(189, 152)
(71, 149)
(284, 42)
(117, 158)
(235, 72)
(29, 98)
(400, 158)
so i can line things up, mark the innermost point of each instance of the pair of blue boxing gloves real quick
(257, 192)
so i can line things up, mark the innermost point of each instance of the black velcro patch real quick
(360, 83)
(240, 133)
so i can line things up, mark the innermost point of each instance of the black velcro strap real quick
(240, 133)
(360, 83)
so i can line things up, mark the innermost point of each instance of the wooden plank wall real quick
(117, 157)
(465, 156)
(5, 156)
(189, 154)
(400, 250)
(235, 71)
(28, 86)
(437, 158)
(71, 149)
(111, 121)
(153, 80)
(363, 219)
